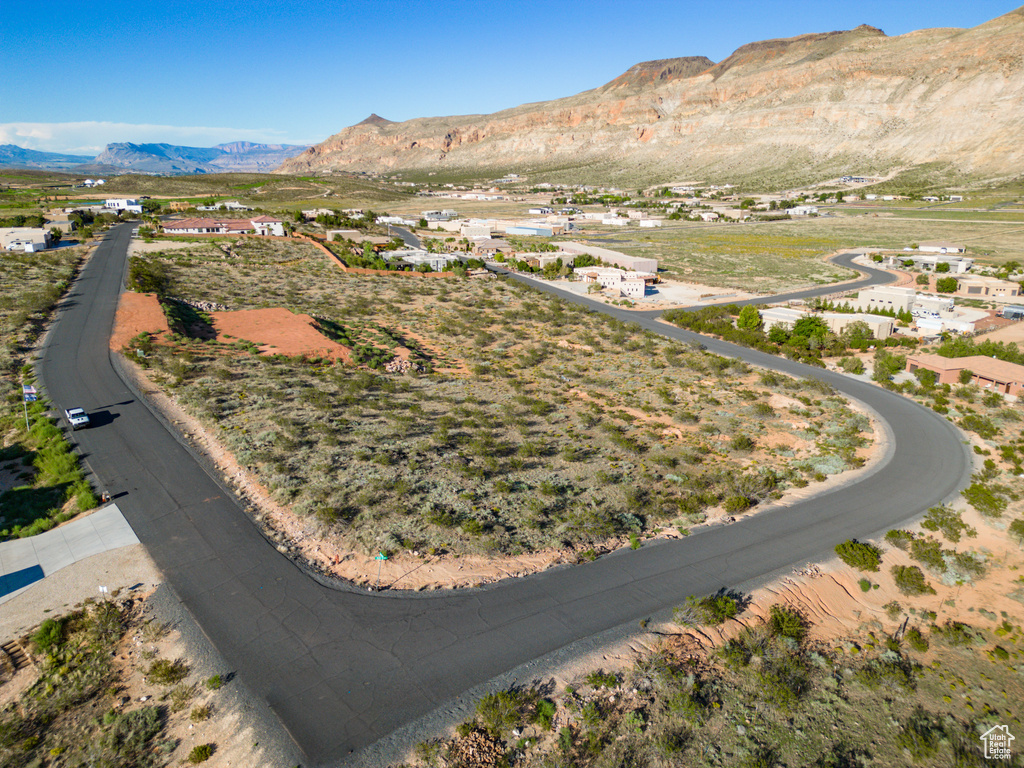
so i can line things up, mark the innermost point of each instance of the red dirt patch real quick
(278, 331)
(137, 313)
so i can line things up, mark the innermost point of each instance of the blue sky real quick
(75, 76)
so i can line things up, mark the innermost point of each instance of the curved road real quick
(342, 668)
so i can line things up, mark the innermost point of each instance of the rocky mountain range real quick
(239, 156)
(164, 159)
(13, 156)
(947, 101)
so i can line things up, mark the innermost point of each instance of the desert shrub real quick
(984, 427)
(784, 679)
(893, 609)
(865, 585)
(601, 679)
(785, 621)
(955, 633)
(502, 711)
(859, 555)
(200, 753)
(166, 672)
(544, 714)
(147, 276)
(899, 538)
(712, 609)
(213, 682)
(948, 521)
(920, 735)
(916, 640)
(891, 670)
(928, 552)
(130, 733)
(910, 580)
(985, 499)
(200, 713)
(49, 635)
(1016, 530)
(742, 443)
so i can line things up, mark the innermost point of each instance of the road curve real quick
(342, 668)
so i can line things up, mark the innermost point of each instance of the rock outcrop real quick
(855, 101)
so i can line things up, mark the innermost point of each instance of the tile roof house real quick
(261, 225)
(987, 372)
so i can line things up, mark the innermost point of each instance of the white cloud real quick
(89, 138)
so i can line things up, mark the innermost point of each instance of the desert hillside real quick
(854, 101)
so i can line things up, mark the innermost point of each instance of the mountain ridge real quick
(851, 100)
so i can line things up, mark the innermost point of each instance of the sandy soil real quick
(1013, 332)
(278, 331)
(137, 313)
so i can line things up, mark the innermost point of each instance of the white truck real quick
(77, 417)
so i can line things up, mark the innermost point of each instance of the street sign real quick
(30, 398)
(381, 556)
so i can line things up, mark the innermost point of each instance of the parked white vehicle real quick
(77, 417)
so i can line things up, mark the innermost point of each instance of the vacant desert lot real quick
(532, 423)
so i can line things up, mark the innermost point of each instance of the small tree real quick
(965, 376)
(942, 267)
(946, 285)
(749, 319)
(923, 280)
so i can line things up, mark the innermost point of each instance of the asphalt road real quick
(342, 668)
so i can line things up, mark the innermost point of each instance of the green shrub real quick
(166, 672)
(921, 735)
(502, 711)
(130, 733)
(949, 522)
(787, 622)
(601, 679)
(200, 753)
(544, 714)
(49, 635)
(956, 633)
(985, 499)
(713, 609)
(892, 670)
(213, 683)
(865, 585)
(859, 555)
(910, 580)
(916, 640)
(928, 552)
(893, 609)
(899, 538)
(1016, 530)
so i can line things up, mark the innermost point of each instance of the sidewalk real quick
(23, 562)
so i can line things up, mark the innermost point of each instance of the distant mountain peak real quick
(375, 119)
(660, 71)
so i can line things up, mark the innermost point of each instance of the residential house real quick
(26, 239)
(987, 287)
(941, 246)
(987, 372)
(608, 256)
(880, 325)
(123, 204)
